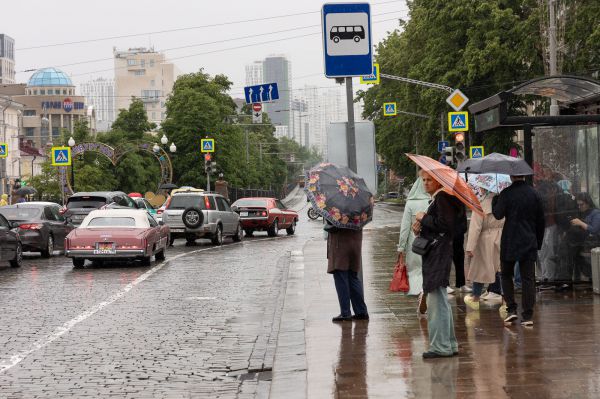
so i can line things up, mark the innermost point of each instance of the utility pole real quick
(350, 128)
(554, 110)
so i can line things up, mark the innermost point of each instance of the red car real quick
(265, 214)
(117, 234)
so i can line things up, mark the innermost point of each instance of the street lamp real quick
(156, 148)
(172, 148)
(164, 140)
(71, 144)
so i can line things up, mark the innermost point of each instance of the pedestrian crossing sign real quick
(476, 151)
(61, 156)
(373, 78)
(458, 121)
(3, 150)
(207, 145)
(389, 109)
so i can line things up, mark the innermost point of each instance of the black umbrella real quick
(27, 190)
(167, 186)
(497, 163)
(339, 195)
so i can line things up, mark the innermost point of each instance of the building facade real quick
(10, 120)
(100, 93)
(7, 59)
(254, 73)
(145, 74)
(278, 69)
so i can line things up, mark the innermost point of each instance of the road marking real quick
(18, 357)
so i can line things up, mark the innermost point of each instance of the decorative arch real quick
(115, 155)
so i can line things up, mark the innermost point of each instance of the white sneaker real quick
(449, 290)
(492, 296)
(466, 288)
(484, 295)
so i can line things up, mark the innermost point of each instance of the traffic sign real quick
(61, 156)
(347, 45)
(389, 109)
(442, 145)
(457, 100)
(207, 145)
(257, 113)
(372, 79)
(458, 121)
(476, 151)
(3, 150)
(261, 93)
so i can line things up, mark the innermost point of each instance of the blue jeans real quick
(349, 289)
(477, 289)
(517, 275)
(440, 323)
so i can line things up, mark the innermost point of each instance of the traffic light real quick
(460, 151)
(448, 154)
(210, 167)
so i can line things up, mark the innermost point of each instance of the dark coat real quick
(442, 215)
(344, 250)
(524, 225)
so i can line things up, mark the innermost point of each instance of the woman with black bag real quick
(435, 229)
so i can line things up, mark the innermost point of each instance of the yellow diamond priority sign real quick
(457, 100)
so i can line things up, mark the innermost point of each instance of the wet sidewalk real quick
(558, 358)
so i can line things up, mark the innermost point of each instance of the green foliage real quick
(46, 183)
(133, 122)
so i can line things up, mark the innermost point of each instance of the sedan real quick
(265, 214)
(117, 234)
(11, 250)
(41, 226)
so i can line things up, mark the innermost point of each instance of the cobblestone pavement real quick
(202, 324)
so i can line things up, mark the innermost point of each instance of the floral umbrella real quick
(494, 182)
(339, 195)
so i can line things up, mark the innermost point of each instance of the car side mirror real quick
(234, 208)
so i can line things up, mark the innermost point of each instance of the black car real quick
(80, 204)
(10, 245)
(40, 225)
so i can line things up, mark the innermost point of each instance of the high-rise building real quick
(277, 69)
(254, 73)
(100, 93)
(145, 74)
(7, 59)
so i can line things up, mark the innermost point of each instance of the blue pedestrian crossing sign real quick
(389, 109)
(476, 151)
(458, 121)
(442, 145)
(372, 79)
(207, 145)
(61, 156)
(3, 150)
(261, 93)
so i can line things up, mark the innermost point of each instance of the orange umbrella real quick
(451, 181)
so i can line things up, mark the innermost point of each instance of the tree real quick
(133, 122)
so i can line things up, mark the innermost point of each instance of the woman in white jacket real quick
(417, 201)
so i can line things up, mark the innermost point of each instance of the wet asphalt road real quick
(203, 323)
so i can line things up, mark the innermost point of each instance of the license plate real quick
(243, 213)
(105, 248)
(177, 230)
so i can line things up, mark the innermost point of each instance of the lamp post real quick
(71, 144)
(164, 141)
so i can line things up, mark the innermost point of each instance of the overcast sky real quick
(46, 23)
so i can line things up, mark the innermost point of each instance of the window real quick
(223, 205)
(140, 72)
(142, 63)
(29, 131)
(64, 92)
(279, 204)
(186, 201)
(29, 112)
(112, 222)
(151, 220)
(131, 62)
(3, 222)
(48, 215)
(152, 82)
(35, 92)
(55, 131)
(153, 115)
(334, 29)
(56, 212)
(151, 63)
(342, 29)
(42, 92)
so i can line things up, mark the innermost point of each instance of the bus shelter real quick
(563, 151)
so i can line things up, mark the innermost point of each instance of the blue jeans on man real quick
(349, 290)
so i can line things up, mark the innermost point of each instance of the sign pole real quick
(350, 129)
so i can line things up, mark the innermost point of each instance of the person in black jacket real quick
(438, 224)
(522, 237)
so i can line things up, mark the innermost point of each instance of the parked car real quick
(393, 194)
(40, 225)
(161, 209)
(265, 214)
(80, 204)
(11, 250)
(197, 214)
(117, 234)
(142, 203)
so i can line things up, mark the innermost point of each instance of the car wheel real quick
(190, 238)
(78, 263)
(356, 39)
(218, 236)
(336, 39)
(292, 229)
(249, 232)
(273, 229)
(146, 260)
(192, 217)
(18, 260)
(49, 250)
(161, 255)
(239, 234)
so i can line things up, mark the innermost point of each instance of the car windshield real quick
(251, 203)
(186, 201)
(86, 202)
(105, 221)
(21, 213)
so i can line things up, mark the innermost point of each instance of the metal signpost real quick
(261, 93)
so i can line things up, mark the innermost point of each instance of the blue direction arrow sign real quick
(3, 150)
(442, 145)
(347, 47)
(61, 156)
(261, 93)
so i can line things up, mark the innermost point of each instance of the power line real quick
(181, 29)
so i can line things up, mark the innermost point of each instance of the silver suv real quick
(192, 215)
